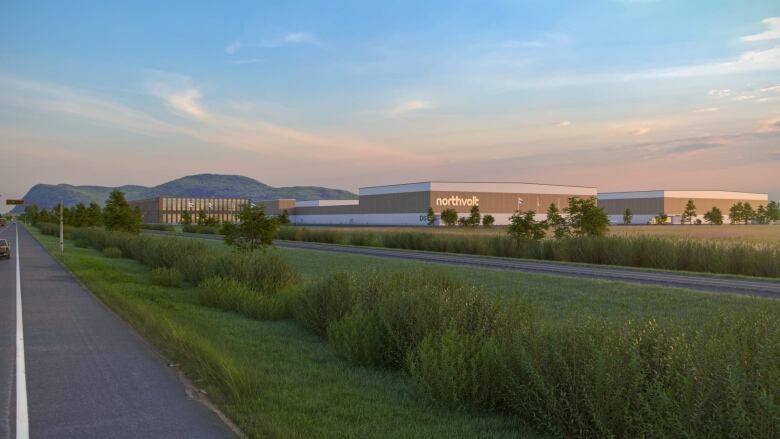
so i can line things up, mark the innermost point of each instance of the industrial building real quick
(168, 210)
(646, 205)
(408, 204)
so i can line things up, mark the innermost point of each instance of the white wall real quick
(390, 219)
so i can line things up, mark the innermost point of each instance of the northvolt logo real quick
(457, 201)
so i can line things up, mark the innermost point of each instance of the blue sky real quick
(633, 94)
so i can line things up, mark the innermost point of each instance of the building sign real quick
(458, 201)
(14, 202)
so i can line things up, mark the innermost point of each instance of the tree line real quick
(582, 217)
(117, 214)
(739, 213)
(254, 229)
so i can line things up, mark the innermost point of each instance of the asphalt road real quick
(718, 284)
(88, 374)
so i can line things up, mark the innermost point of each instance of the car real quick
(5, 249)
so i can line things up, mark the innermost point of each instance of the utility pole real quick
(62, 229)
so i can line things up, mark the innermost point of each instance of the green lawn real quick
(288, 382)
(552, 295)
(277, 379)
(558, 296)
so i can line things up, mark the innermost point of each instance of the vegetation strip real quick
(738, 258)
(272, 378)
(466, 350)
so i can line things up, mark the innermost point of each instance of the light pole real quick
(62, 229)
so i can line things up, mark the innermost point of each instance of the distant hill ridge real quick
(201, 185)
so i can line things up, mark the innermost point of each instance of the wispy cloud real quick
(773, 23)
(773, 88)
(694, 147)
(720, 92)
(744, 97)
(409, 106)
(639, 131)
(563, 124)
(707, 110)
(288, 39)
(178, 93)
(214, 128)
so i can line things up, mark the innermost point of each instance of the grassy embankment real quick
(272, 378)
(713, 373)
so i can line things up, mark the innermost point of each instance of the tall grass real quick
(740, 258)
(465, 349)
(232, 295)
(231, 281)
(586, 378)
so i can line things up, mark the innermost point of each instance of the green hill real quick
(202, 185)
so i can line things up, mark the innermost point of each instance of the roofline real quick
(685, 190)
(478, 182)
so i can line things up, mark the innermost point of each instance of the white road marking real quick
(22, 420)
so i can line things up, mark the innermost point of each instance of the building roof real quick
(465, 186)
(723, 195)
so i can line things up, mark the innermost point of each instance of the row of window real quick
(196, 204)
(175, 218)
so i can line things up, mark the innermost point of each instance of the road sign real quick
(14, 202)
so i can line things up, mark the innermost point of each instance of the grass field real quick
(574, 316)
(285, 382)
(728, 232)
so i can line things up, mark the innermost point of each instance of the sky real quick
(616, 94)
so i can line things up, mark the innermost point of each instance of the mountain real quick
(202, 185)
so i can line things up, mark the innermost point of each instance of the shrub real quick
(167, 277)
(739, 258)
(231, 295)
(112, 252)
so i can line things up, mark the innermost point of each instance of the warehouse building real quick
(646, 205)
(168, 210)
(408, 204)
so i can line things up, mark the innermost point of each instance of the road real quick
(88, 373)
(710, 283)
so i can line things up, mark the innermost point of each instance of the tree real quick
(748, 214)
(557, 222)
(201, 218)
(119, 216)
(449, 217)
(741, 212)
(283, 217)
(430, 217)
(714, 216)
(772, 211)
(586, 218)
(524, 227)
(628, 216)
(30, 214)
(186, 218)
(255, 229)
(761, 217)
(78, 215)
(736, 213)
(474, 217)
(661, 218)
(93, 216)
(463, 221)
(689, 213)
(488, 220)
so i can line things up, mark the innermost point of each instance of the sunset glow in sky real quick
(621, 95)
